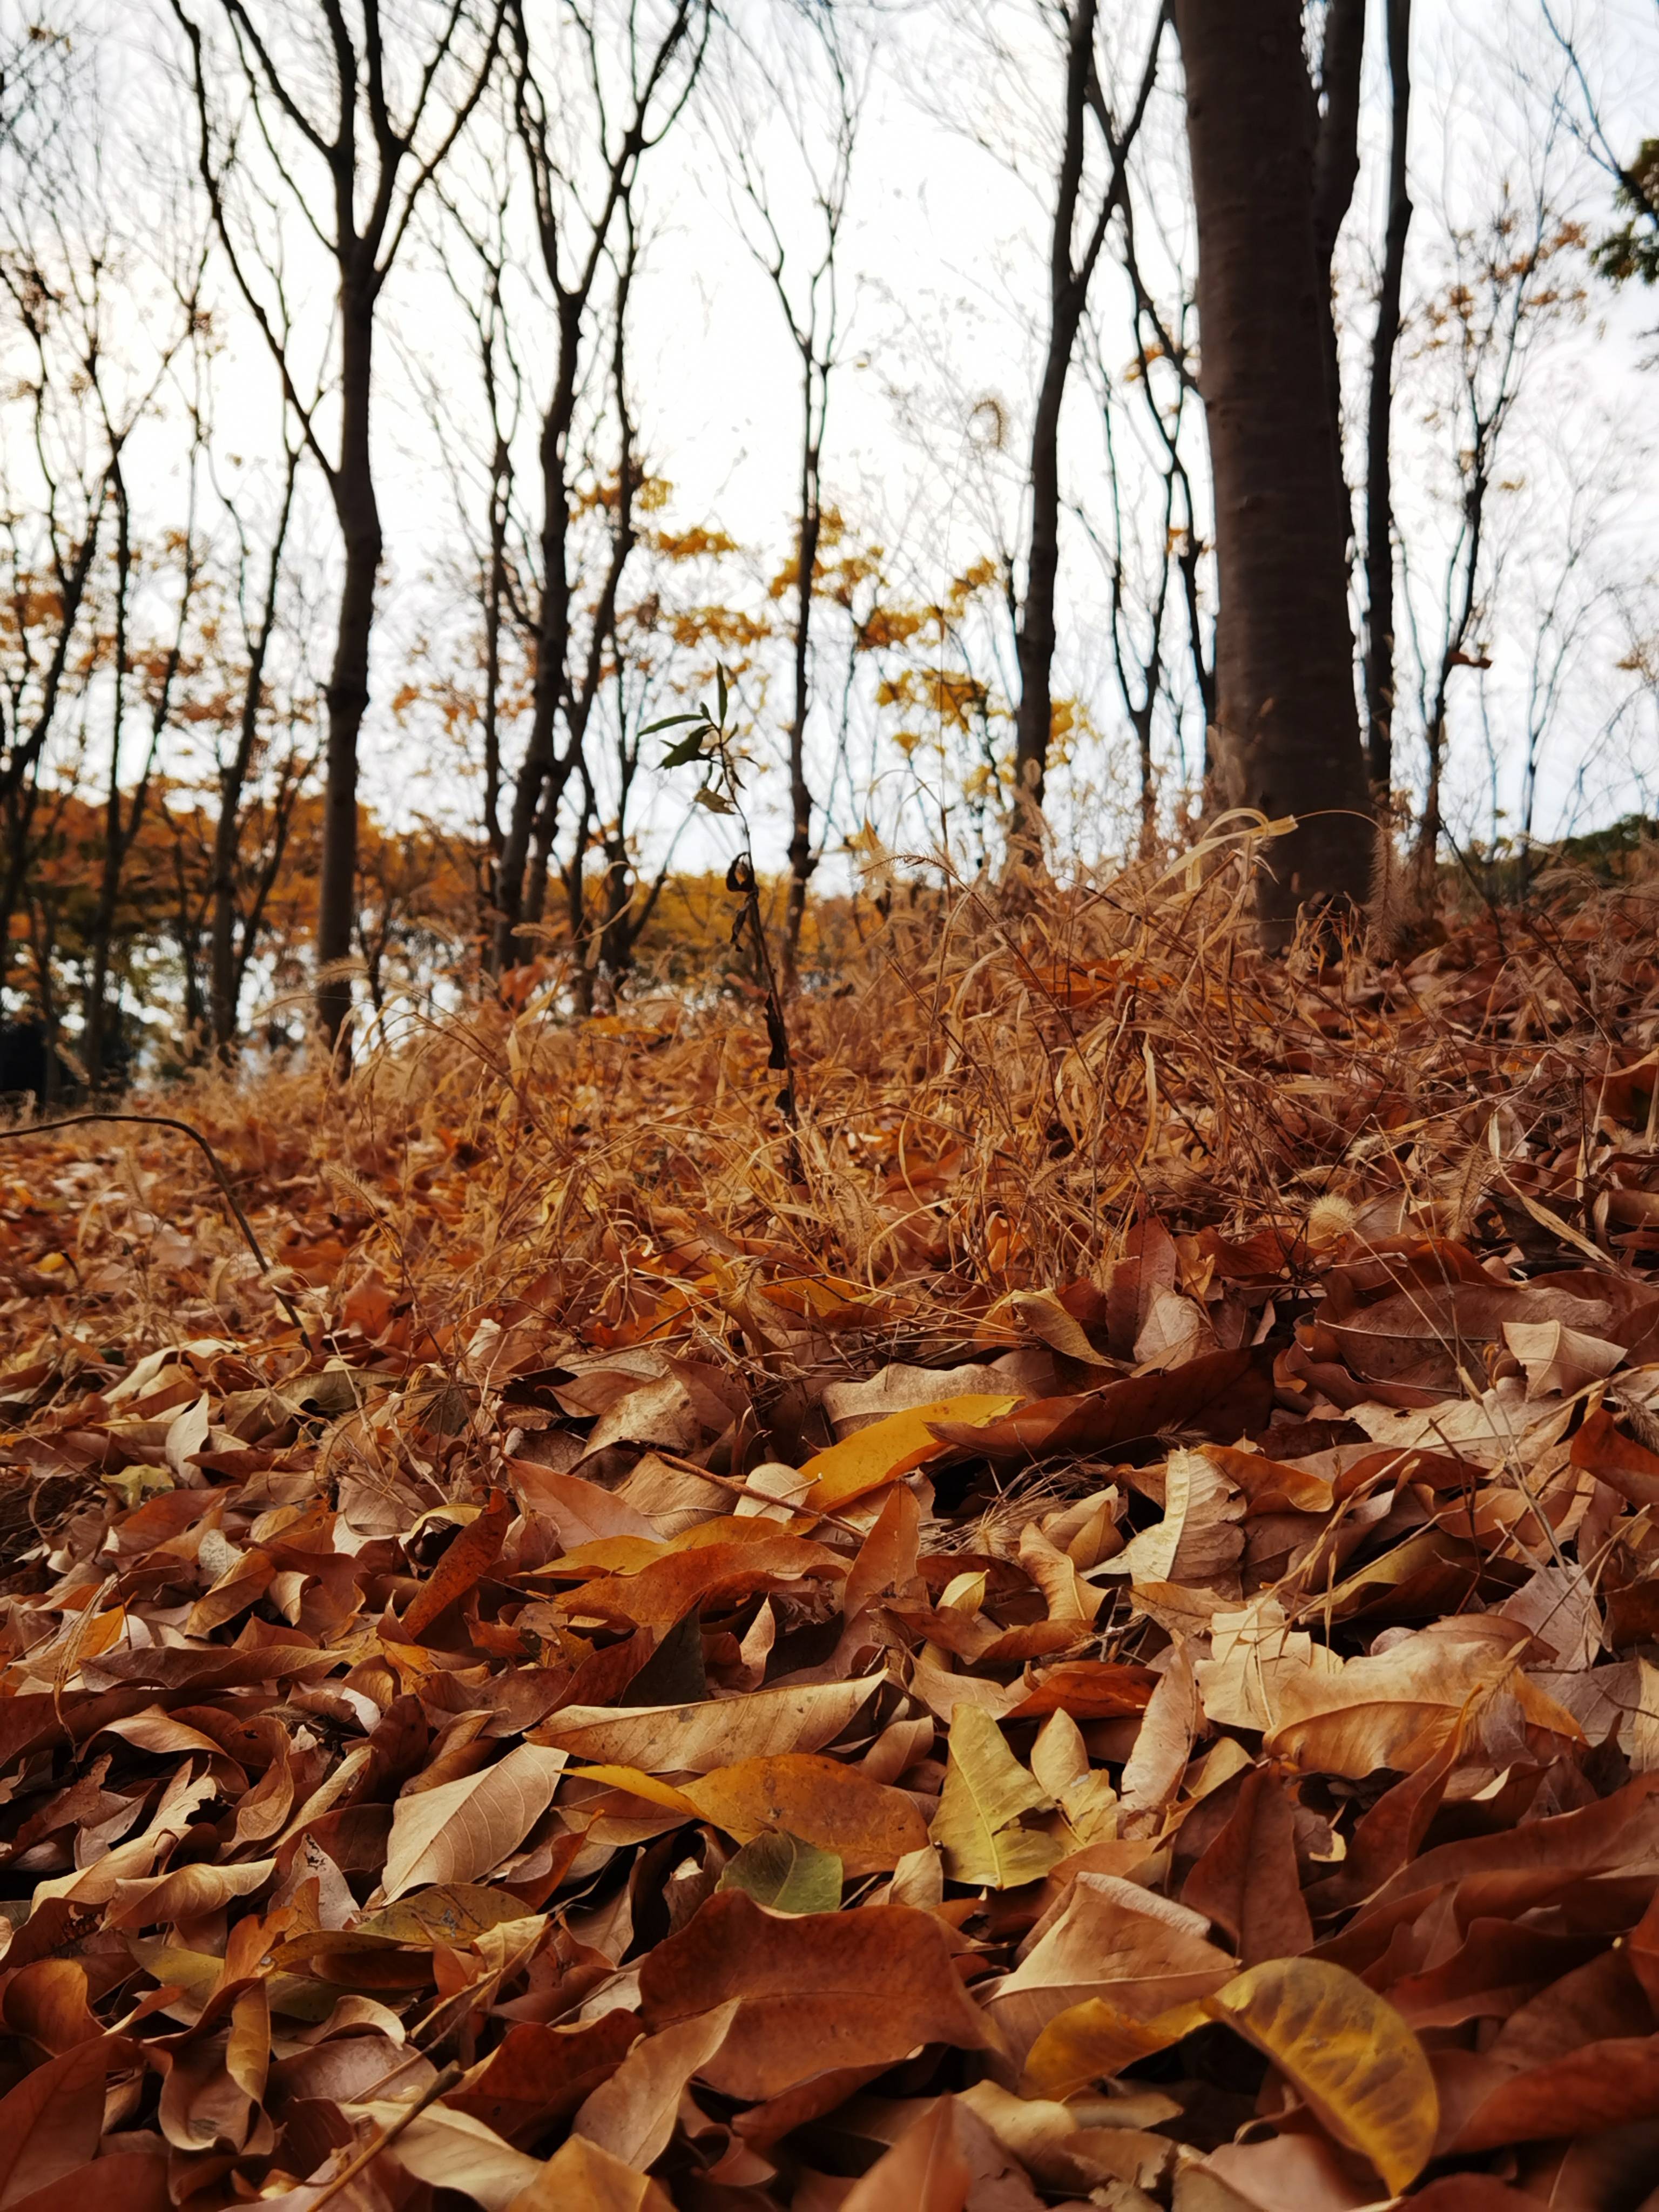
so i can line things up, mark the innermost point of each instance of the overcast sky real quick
(943, 277)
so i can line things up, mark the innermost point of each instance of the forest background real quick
(405, 409)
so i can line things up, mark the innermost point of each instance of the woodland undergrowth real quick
(1080, 1627)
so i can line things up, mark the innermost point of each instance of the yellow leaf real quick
(1349, 2054)
(986, 1790)
(638, 1783)
(889, 1449)
(1096, 2040)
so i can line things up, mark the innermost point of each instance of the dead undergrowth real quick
(1082, 1627)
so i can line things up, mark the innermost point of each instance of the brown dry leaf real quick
(632, 2115)
(460, 1831)
(696, 1739)
(1112, 1939)
(1252, 1653)
(869, 1827)
(1197, 1542)
(1360, 2067)
(470, 1553)
(448, 2150)
(52, 2120)
(925, 2169)
(1395, 1710)
(1041, 1314)
(711, 1575)
(1247, 1882)
(579, 2177)
(1558, 1359)
(818, 1991)
(538, 2075)
(886, 1563)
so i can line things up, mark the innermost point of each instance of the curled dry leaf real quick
(632, 2115)
(1348, 2053)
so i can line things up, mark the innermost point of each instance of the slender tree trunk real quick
(1288, 731)
(541, 774)
(1067, 296)
(103, 926)
(224, 978)
(359, 516)
(1379, 477)
(810, 524)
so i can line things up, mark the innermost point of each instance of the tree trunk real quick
(103, 925)
(810, 526)
(1287, 728)
(1067, 291)
(1336, 172)
(541, 774)
(1379, 480)
(224, 979)
(359, 516)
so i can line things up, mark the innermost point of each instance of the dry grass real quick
(991, 1102)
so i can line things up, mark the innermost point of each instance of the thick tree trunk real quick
(1287, 728)
(359, 515)
(1379, 476)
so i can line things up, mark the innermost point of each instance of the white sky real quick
(944, 263)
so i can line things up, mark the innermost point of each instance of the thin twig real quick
(170, 1121)
(434, 2089)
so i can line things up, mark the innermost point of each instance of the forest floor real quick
(1082, 1628)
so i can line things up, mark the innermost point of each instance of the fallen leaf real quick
(632, 2115)
(697, 1738)
(470, 1554)
(869, 1827)
(1247, 1882)
(925, 2169)
(1095, 2040)
(891, 1448)
(460, 1831)
(1112, 1939)
(786, 1874)
(1347, 2052)
(51, 2122)
(1394, 1709)
(580, 2177)
(978, 1823)
(820, 1991)
(538, 2075)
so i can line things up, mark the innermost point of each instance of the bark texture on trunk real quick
(1287, 725)
(359, 515)
(1379, 472)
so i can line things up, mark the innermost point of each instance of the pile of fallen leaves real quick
(1081, 1630)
